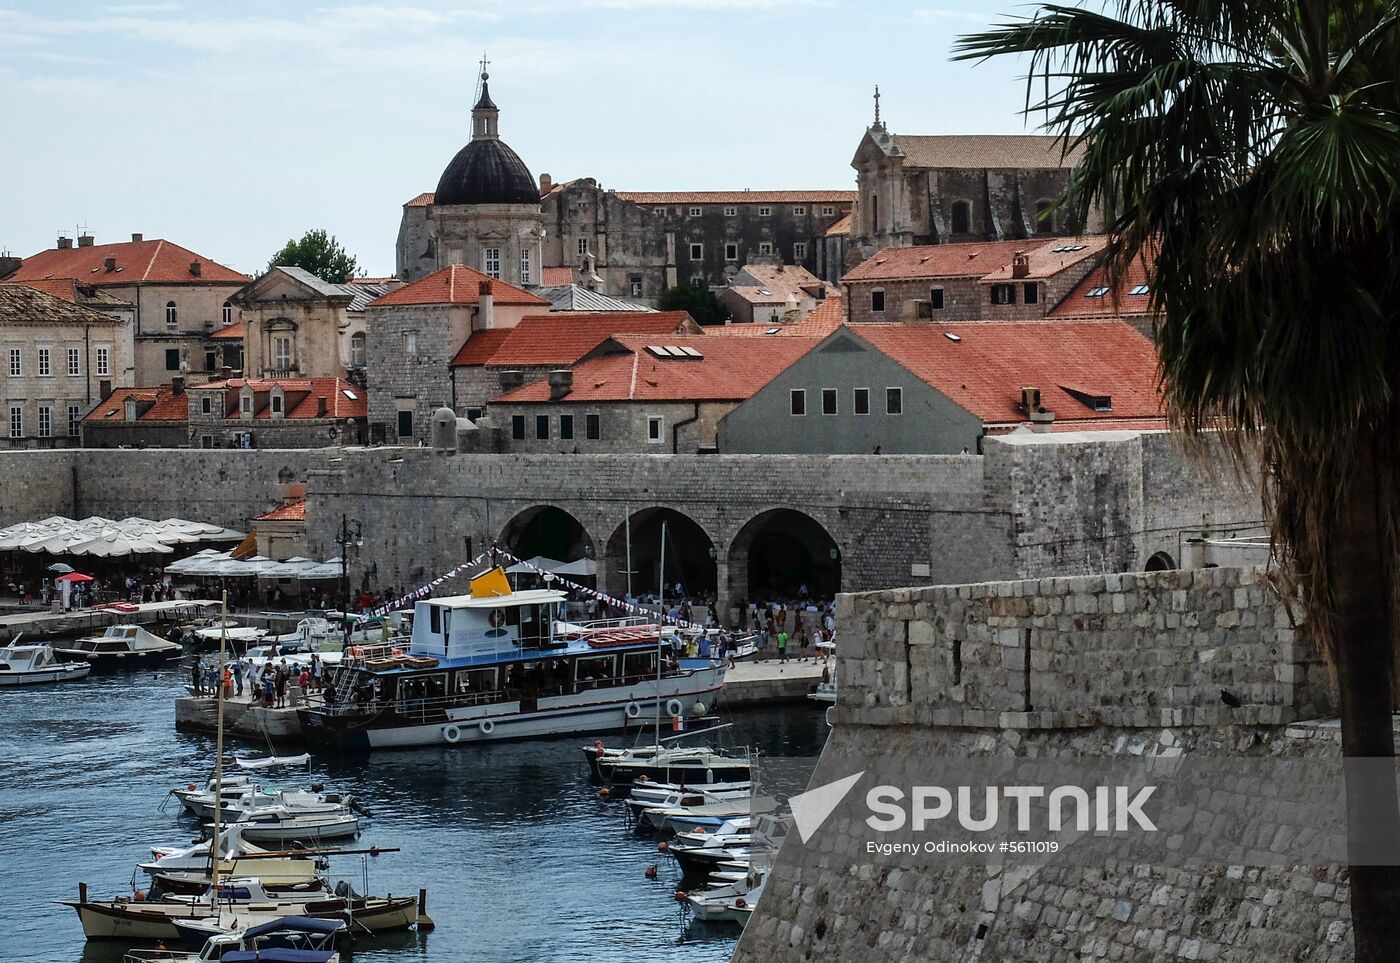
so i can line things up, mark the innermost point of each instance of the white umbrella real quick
(60, 567)
(582, 566)
(534, 564)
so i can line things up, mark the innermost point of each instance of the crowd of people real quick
(266, 680)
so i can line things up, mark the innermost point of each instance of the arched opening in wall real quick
(1160, 562)
(690, 555)
(548, 531)
(782, 551)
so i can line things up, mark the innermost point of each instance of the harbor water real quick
(522, 859)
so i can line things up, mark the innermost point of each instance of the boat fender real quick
(740, 903)
(674, 708)
(663, 847)
(451, 733)
(487, 727)
(643, 778)
(699, 708)
(680, 896)
(633, 710)
(598, 745)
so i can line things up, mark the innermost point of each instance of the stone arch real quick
(1160, 562)
(690, 554)
(778, 551)
(546, 530)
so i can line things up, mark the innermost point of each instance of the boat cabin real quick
(120, 638)
(463, 626)
(26, 658)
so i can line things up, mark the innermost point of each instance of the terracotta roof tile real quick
(623, 369)
(738, 197)
(973, 259)
(1094, 297)
(23, 304)
(984, 151)
(70, 290)
(291, 512)
(343, 399)
(237, 331)
(456, 284)
(565, 337)
(556, 276)
(136, 262)
(1048, 259)
(843, 226)
(166, 405)
(825, 318)
(422, 200)
(479, 347)
(985, 369)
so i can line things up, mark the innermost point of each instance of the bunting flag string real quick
(426, 588)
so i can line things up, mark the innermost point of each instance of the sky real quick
(231, 127)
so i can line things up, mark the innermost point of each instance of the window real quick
(491, 262)
(935, 299)
(16, 421)
(697, 251)
(74, 362)
(1094, 292)
(357, 349)
(525, 265)
(874, 212)
(206, 405)
(75, 420)
(592, 430)
(16, 363)
(694, 212)
(1138, 289)
(104, 360)
(1044, 217)
(276, 400)
(206, 441)
(634, 283)
(877, 300)
(654, 429)
(45, 421)
(765, 247)
(172, 316)
(1030, 293)
(582, 246)
(517, 427)
(1003, 294)
(45, 365)
(799, 251)
(405, 424)
(799, 212)
(282, 353)
(828, 211)
(245, 403)
(474, 414)
(828, 401)
(797, 401)
(962, 217)
(731, 211)
(894, 401)
(228, 313)
(765, 211)
(566, 427)
(542, 427)
(731, 251)
(410, 344)
(862, 401)
(172, 359)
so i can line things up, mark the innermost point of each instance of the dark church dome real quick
(487, 172)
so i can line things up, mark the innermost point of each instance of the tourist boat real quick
(292, 939)
(282, 826)
(32, 664)
(497, 665)
(732, 903)
(121, 646)
(678, 765)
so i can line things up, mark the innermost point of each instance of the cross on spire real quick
(877, 105)
(484, 64)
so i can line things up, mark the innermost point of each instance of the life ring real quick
(487, 727)
(675, 708)
(633, 710)
(497, 618)
(451, 733)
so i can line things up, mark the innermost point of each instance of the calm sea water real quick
(523, 861)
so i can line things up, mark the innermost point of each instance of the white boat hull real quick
(58, 673)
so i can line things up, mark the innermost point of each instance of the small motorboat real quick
(731, 903)
(290, 939)
(682, 765)
(738, 828)
(120, 647)
(187, 870)
(709, 816)
(33, 664)
(246, 890)
(657, 792)
(280, 826)
(826, 688)
(237, 636)
(300, 802)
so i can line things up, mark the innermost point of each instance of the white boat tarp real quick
(267, 762)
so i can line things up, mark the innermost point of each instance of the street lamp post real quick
(351, 533)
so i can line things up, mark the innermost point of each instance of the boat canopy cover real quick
(300, 924)
(275, 955)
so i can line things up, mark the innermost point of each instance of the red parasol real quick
(74, 577)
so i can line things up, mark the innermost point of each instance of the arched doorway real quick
(1160, 562)
(779, 552)
(690, 555)
(548, 531)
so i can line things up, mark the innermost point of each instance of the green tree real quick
(699, 300)
(1252, 147)
(318, 253)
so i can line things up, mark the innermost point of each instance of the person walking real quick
(761, 648)
(226, 679)
(315, 672)
(802, 642)
(197, 676)
(782, 645)
(238, 677)
(282, 676)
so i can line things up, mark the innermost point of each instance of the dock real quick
(747, 684)
(48, 624)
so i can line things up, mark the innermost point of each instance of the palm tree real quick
(1252, 147)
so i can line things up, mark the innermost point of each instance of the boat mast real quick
(218, 751)
(628, 528)
(661, 620)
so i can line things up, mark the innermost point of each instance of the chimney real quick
(196, 268)
(1020, 264)
(109, 264)
(561, 382)
(320, 406)
(1041, 418)
(136, 237)
(546, 184)
(85, 240)
(485, 307)
(177, 386)
(64, 243)
(9, 264)
(511, 379)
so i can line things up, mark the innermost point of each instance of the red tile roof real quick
(291, 512)
(168, 406)
(1048, 259)
(343, 399)
(623, 369)
(479, 347)
(974, 259)
(422, 200)
(137, 262)
(76, 293)
(825, 318)
(843, 226)
(739, 197)
(986, 368)
(1110, 301)
(565, 337)
(456, 284)
(235, 332)
(556, 276)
